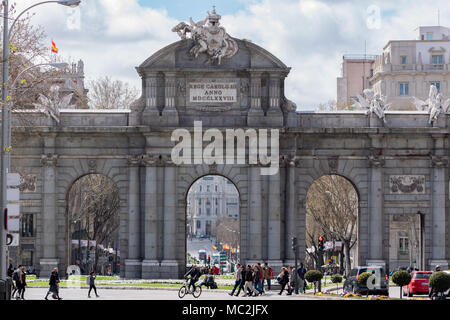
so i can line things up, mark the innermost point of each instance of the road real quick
(394, 292)
(160, 294)
(199, 244)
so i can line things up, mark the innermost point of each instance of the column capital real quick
(49, 160)
(157, 160)
(134, 160)
(438, 161)
(291, 161)
(376, 161)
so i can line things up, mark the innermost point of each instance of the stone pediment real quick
(176, 57)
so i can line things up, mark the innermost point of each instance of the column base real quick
(151, 269)
(380, 263)
(443, 263)
(133, 269)
(167, 117)
(46, 267)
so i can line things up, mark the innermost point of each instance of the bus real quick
(202, 255)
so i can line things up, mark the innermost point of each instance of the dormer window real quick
(429, 35)
(403, 59)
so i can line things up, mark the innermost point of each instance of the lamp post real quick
(6, 114)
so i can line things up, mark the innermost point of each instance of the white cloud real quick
(308, 35)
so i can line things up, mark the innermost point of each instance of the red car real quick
(418, 284)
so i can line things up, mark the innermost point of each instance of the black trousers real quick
(92, 286)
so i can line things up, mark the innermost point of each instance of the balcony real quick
(433, 67)
(404, 67)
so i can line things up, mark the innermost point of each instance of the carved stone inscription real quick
(407, 184)
(212, 92)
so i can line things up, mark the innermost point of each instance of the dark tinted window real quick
(422, 275)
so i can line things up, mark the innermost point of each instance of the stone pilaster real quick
(255, 214)
(376, 163)
(289, 164)
(133, 263)
(49, 259)
(274, 227)
(169, 115)
(255, 113)
(438, 197)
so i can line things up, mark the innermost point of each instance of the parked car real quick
(351, 282)
(419, 283)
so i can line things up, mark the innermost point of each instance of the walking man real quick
(92, 277)
(23, 282)
(16, 279)
(301, 275)
(237, 282)
(241, 286)
(249, 278)
(268, 275)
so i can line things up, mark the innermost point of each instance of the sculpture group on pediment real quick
(435, 105)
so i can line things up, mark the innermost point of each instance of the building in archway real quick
(397, 167)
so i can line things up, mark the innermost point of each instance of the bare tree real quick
(94, 199)
(105, 93)
(332, 208)
(227, 231)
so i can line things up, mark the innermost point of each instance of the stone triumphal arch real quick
(399, 166)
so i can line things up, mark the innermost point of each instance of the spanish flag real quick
(214, 247)
(226, 247)
(54, 48)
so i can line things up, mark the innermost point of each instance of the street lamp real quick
(5, 147)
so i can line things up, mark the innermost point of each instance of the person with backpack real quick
(92, 277)
(23, 282)
(268, 275)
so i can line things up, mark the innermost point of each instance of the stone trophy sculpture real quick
(209, 37)
(373, 103)
(51, 105)
(434, 105)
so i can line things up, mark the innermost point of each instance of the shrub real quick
(336, 278)
(362, 278)
(440, 281)
(401, 278)
(313, 276)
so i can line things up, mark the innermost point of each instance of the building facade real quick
(209, 199)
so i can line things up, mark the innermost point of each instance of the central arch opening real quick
(93, 225)
(332, 210)
(213, 224)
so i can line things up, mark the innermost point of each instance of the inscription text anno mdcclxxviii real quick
(212, 92)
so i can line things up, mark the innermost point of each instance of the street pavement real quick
(157, 294)
(194, 244)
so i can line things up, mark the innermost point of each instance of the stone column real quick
(274, 227)
(290, 168)
(133, 264)
(274, 114)
(255, 113)
(169, 264)
(169, 115)
(255, 215)
(375, 255)
(49, 259)
(438, 199)
(150, 265)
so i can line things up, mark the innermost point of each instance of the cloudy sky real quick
(114, 36)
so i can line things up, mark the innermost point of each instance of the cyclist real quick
(195, 275)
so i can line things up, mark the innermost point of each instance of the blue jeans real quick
(268, 284)
(237, 283)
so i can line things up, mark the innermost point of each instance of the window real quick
(27, 226)
(403, 59)
(208, 211)
(404, 89)
(438, 85)
(200, 201)
(216, 187)
(429, 35)
(403, 243)
(199, 224)
(27, 257)
(216, 211)
(217, 202)
(207, 188)
(438, 59)
(200, 188)
(199, 211)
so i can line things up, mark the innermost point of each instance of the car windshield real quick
(422, 276)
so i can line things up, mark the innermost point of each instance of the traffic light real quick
(321, 245)
(294, 243)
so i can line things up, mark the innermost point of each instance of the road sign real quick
(13, 224)
(15, 241)
(13, 180)
(13, 210)
(12, 194)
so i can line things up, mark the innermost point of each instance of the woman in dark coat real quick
(284, 279)
(54, 285)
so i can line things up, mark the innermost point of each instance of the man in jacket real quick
(238, 280)
(243, 274)
(268, 274)
(249, 279)
(195, 275)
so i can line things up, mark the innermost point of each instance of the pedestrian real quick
(92, 277)
(284, 279)
(16, 280)
(23, 282)
(238, 279)
(268, 275)
(260, 286)
(54, 285)
(292, 275)
(241, 286)
(249, 278)
(301, 274)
